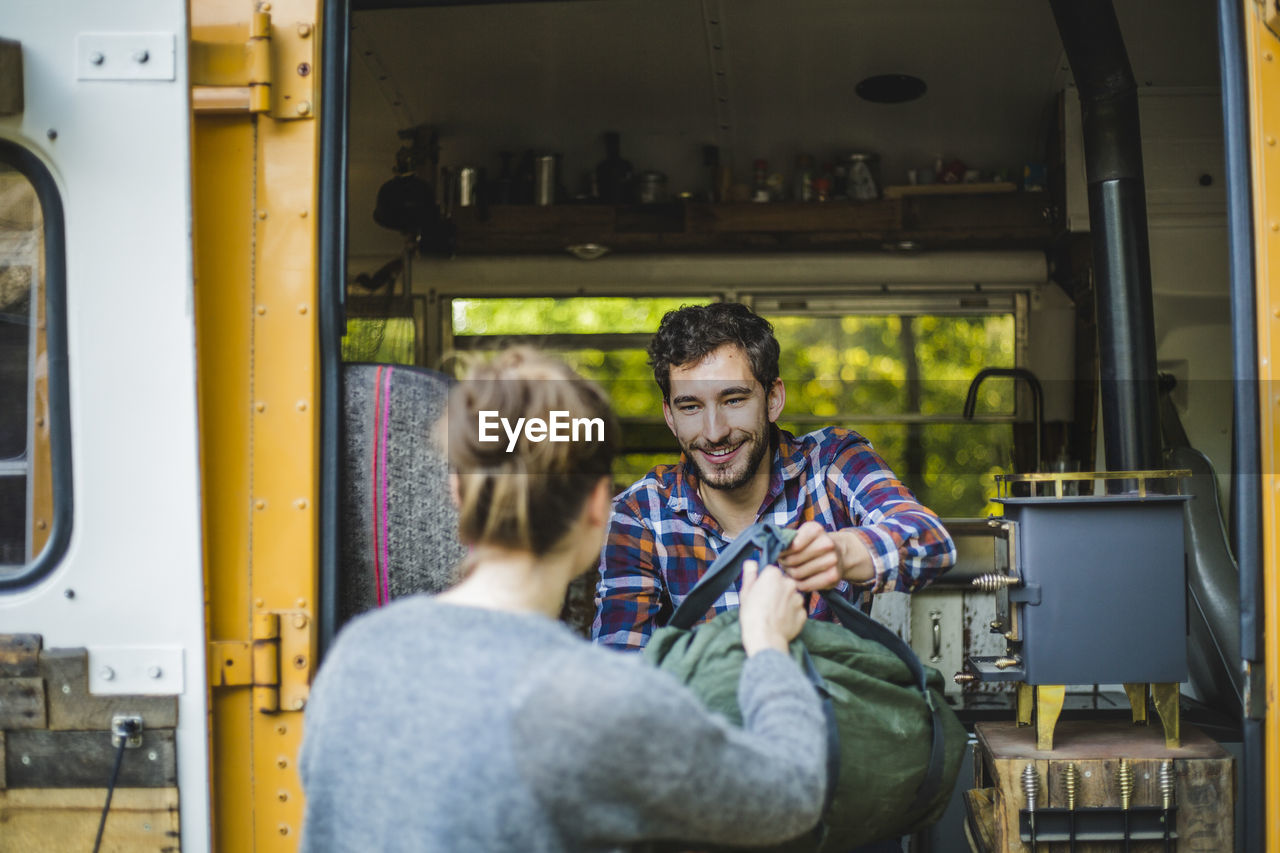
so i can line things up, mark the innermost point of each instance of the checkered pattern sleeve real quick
(907, 541)
(629, 592)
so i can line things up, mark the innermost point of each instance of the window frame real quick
(34, 170)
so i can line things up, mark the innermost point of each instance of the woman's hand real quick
(772, 611)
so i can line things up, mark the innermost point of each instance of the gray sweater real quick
(435, 727)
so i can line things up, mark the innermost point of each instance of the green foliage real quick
(387, 340)
(865, 372)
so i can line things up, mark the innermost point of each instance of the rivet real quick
(284, 829)
(282, 796)
(1088, 774)
(26, 759)
(152, 755)
(282, 729)
(299, 704)
(264, 7)
(302, 309)
(40, 421)
(304, 108)
(304, 30)
(302, 405)
(106, 673)
(299, 620)
(66, 688)
(68, 593)
(258, 602)
(300, 662)
(1275, 226)
(260, 504)
(1267, 56)
(260, 406)
(282, 762)
(154, 672)
(300, 503)
(262, 214)
(52, 133)
(1271, 140)
(302, 603)
(42, 524)
(141, 56)
(303, 214)
(262, 309)
(97, 58)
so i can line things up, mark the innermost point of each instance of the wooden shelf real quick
(999, 219)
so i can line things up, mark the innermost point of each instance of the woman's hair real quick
(516, 492)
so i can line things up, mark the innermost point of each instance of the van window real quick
(27, 428)
(603, 338)
(900, 379)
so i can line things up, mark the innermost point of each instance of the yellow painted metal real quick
(1026, 703)
(256, 285)
(1263, 51)
(41, 459)
(1166, 698)
(1049, 700)
(1137, 694)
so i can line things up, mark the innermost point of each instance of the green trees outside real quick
(900, 380)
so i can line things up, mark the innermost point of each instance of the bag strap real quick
(771, 541)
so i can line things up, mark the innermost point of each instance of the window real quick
(603, 338)
(35, 500)
(900, 378)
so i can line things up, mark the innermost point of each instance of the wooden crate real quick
(1203, 770)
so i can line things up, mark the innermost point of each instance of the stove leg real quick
(1137, 694)
(1026, 701)
(1049, 699)
(1166, 698)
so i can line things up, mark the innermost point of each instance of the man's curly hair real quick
(692, 332)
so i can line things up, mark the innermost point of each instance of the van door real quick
(102, 630)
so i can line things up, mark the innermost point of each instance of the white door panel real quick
(116, 136)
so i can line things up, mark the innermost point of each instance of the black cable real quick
(111, 787)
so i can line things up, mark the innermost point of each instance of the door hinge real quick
(272, 72)
(276, 663)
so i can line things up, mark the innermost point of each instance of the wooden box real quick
(1203, 772)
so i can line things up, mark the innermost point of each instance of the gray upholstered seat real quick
(399, 524)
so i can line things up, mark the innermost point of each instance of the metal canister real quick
(864, 179)
(544, 180)
(651, 188)
(468, 178)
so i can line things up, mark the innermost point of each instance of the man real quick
(858, 528)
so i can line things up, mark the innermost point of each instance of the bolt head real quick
(106, 673)
(154, 672)
(304, 108)
(97, 57)
(141, 56)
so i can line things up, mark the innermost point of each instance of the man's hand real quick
(819, 559)
(772, 612)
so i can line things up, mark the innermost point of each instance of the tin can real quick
(544, 180)
(651, 188)
(468, 178)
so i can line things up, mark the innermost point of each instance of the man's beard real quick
(728, 480)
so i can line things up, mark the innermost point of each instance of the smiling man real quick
(859, 529)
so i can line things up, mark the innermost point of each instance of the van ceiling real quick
(552, 76)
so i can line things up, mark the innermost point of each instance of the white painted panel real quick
(119, 151)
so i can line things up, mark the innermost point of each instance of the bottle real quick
(613, 174)
(760, 180)
(803, 190)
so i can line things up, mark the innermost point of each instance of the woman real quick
(473, 721)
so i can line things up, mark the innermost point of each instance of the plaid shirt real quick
(661, 538)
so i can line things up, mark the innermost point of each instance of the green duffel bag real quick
(894, 745)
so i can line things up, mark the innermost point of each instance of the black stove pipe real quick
(1118, 219)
